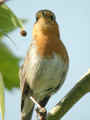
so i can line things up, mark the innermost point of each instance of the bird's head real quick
(45, 23)
(46, 16)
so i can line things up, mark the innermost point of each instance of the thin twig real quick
(80, 89)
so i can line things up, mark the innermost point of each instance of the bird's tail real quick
(26, 109)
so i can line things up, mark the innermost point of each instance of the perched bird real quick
(45, 66)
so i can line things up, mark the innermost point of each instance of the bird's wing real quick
(26, 104)
(22, 77)
(23, 71)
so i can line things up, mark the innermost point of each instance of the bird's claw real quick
(42, 112)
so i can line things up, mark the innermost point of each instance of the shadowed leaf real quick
(8, 62)
(9, 67)
(8, 20)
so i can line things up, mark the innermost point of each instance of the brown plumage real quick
(45, 65)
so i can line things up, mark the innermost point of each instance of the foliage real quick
(8, 67)
(8, 62)
(8, 20)
(2, 105)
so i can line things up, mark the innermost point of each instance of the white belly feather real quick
(45, 73)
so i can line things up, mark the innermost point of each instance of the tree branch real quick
(78, 91)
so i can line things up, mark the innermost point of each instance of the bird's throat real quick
(47, 40)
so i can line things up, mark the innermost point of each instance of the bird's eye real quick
(36, 18)
(43, 14)
(52, 17)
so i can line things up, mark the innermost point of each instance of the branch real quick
(80, 89)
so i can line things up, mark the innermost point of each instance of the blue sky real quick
(74, 21)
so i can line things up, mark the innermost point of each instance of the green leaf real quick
(2, 103)
(8, 62)
(9, 67)
(8, 20)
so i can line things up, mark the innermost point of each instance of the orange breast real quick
(48, 41)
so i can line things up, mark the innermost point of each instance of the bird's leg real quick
(41, 111)
(35, 102)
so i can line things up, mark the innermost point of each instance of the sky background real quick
(73, 17)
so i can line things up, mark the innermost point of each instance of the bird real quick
(46, 63)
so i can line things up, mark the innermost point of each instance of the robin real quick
(45, 65)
